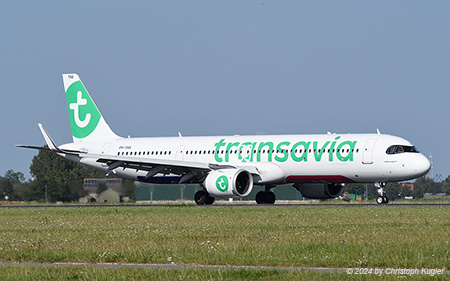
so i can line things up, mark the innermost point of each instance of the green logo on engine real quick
(83, 113)
(222, 183)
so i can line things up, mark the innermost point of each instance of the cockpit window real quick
(391, 150)
(412, 149)
(396, 149)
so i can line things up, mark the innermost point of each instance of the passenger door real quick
(368, 151)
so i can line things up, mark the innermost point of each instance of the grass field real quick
(356, 236)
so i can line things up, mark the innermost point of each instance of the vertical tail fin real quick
(86, 120)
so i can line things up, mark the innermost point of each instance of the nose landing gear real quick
(381, 198)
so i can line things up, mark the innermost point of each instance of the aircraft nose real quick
(422, 165)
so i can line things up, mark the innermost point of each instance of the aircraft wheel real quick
(380, 199)
(270, 197)
(260, 197)
(386, 200)
(209, 200)
(200, 197)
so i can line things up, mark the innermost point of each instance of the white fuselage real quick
(278, 159)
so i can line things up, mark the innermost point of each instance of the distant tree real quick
(6, 188)
(14, 178)
(422, 185)
(360, 189)
(393, 190)
(76, 190)
(23, 191)
(101, 187)
(355, 188)
(9, 182)
(62, 178)
(446, 185)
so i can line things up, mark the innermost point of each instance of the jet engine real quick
(228, 183)
(319, 190)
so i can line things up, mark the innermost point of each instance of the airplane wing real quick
(188, 171)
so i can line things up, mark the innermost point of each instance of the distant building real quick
(408, 186)
(109, 196)
(90, 185)
(172, 192)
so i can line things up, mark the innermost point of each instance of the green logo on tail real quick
(83, 113)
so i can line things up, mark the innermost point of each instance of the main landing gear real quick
(381, 198)
(266, 197)
(201, 197)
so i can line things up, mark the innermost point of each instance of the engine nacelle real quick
(319, 190)
(229, 183)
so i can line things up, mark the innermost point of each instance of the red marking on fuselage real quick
(319, 179)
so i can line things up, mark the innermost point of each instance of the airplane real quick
(318, 165)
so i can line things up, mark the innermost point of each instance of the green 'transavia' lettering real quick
(281, 152)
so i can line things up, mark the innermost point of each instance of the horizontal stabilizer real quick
(32, 147)
(50, 144)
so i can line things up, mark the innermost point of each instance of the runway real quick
(212, 267)
(172, 266)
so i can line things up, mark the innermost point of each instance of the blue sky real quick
(232, 67)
